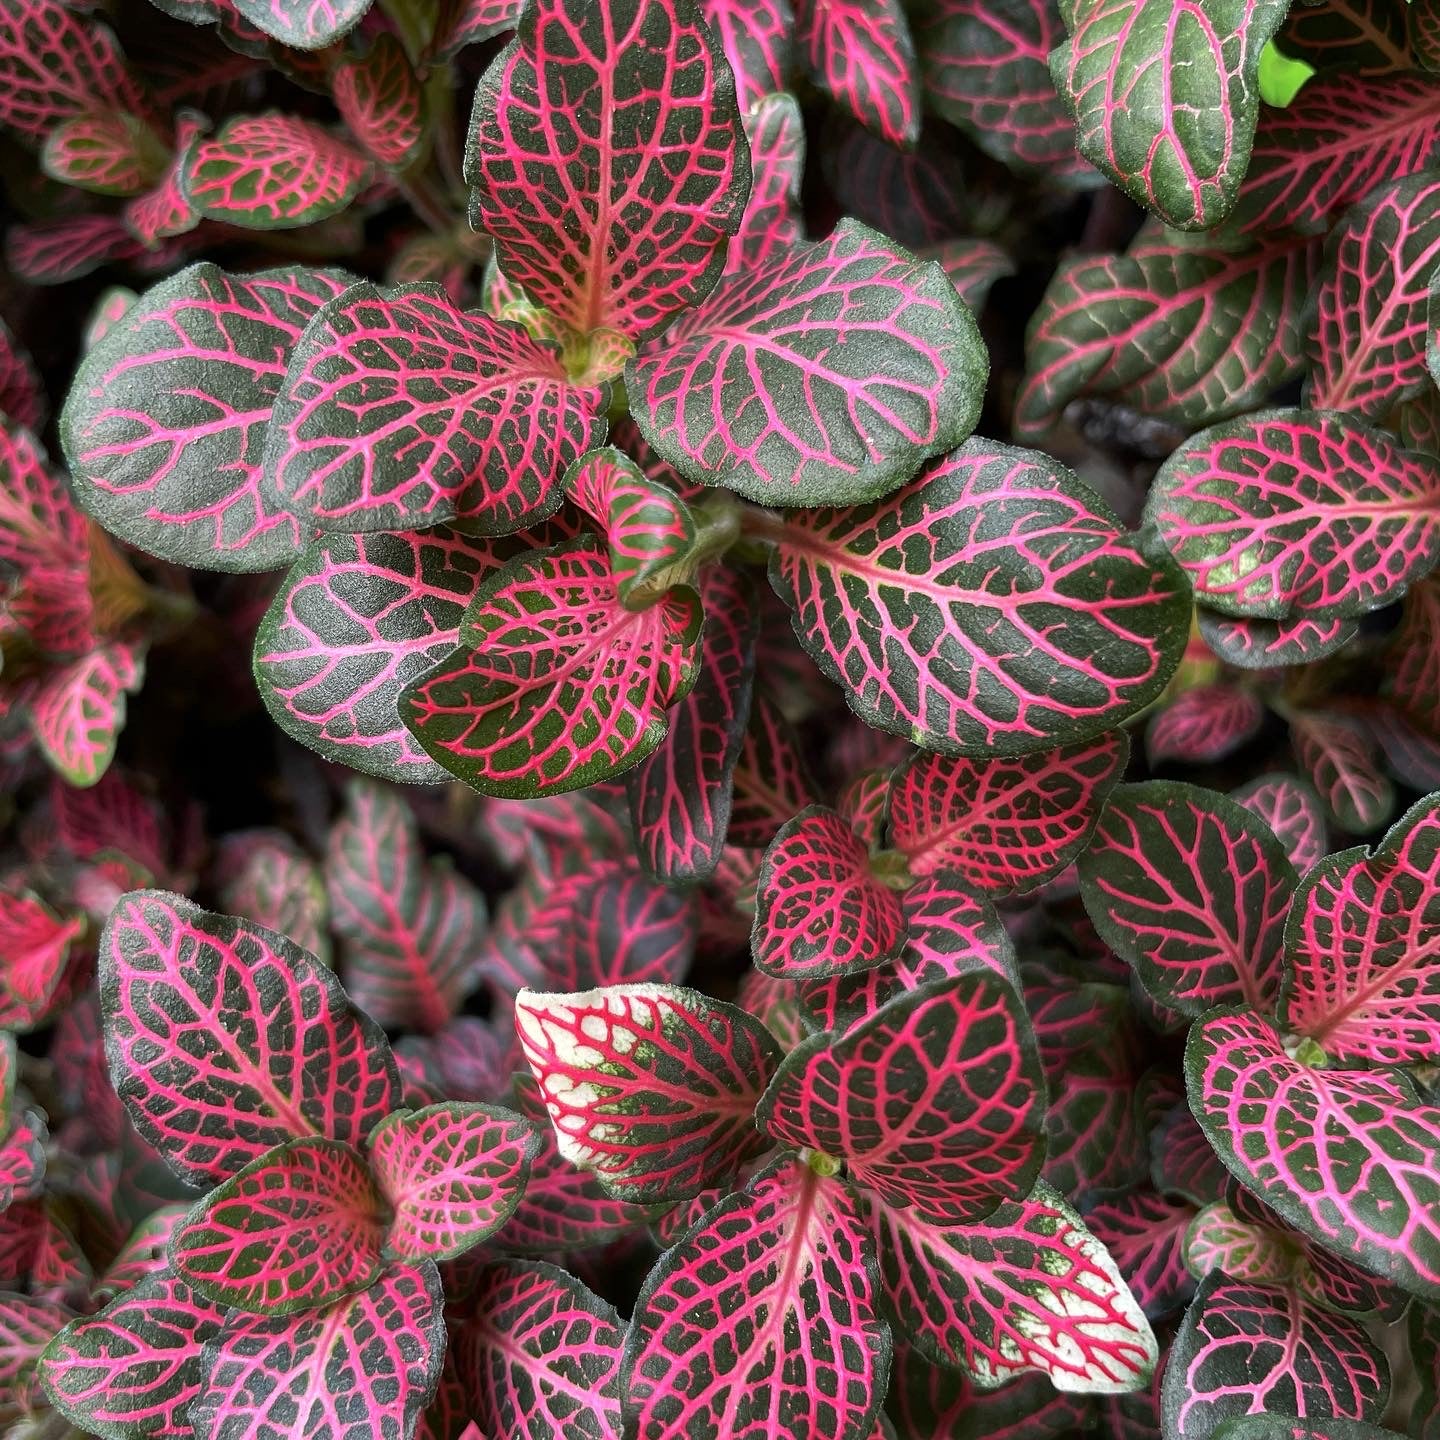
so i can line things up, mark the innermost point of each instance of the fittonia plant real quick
(915, 948)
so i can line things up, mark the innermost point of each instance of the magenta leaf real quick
(22, 395)
(1222, 1238)
(22, 1159)
(1145, 1232)
(299, 1226)
(39, 524)
(756, 38)
(264, 877)
(1255, 1349)
(681, 795)
(820, 909)
(555, 685)
(469, 22)
(1367, 1193)
(932, 1403)
(451, 1174)
(52, 252)
(652, 1088)
(1166, 109)
(1363, 945)
(174, 466)
(1029, 1288)
(77, 712)
(1336, 753)
(380, 98)
(303, 24)
(1251, 644)
(164, 210)
(371, 1359)
(211, 1089)
(108, 152)
(1291, 810)
(542, 1346)
(774, 217)
(1003, 826)
(27, 1325)
(1298, 512)
(399, 410)
(861, 54)
(1182, 1160)
(761, 1322)
(772, 782)
(607, 162)
(35, 943)
(957, 1059)
(272, 172)
(1415, 658)
(888, 361)
(409, 929)
(1204, 724)
(953, 641)
(133, 1369)
(1191, 890)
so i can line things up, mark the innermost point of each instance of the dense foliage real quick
(733, 906)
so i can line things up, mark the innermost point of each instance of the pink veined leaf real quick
(399, 410)
(607, 162)
(757, 39)
(1257, 1349)
(1174, 328)
(543, 1346)
(22, 1159)
(54, 608)
(380, 99)
(28, 1323)
(1094, 1139)
(39, 524)
(1191, 890)
(1282, 1427)
(10, 1056)
(555, 685)
(113, 816)
(298, 1227)
(772, 782)
(1029, 1288)
(972, 267)
(774, 217)
(1367, 1194)
(144, 1254)
(371, 1359)
(1415, 658)
(54, 252)
(761, 1324)
(264, 877)
(164, 210)
(957, 1059)
(888, 360)
(133, 1368)
(451, 1175)
(180, 990)
(1003, 826)
(1144, 1232)
(776, 1004)
(470, 22)
(35, 944)
(652, 1088)
(820, 909)
(934, 1403)
(22, 396)
(55, 65)
(864, 804)
(108, 152)
(681, 796)
(1291, 809)
(861, 54)
(77, 712)
(303, 24)
(272, 172)
(1413, 758)
(953, 640)
(409, 929)
(1166, 102)
(1248, 1252)
(1293, 511)
(38, 1252)
(1182, 1160)
(470, 1059)
(1370, 330)
(1363, 946)
(1204, 724)
(949, 931)
(1337, 755)
(984, 67)
(1335, 142)
(1251, 644)
(173, 468)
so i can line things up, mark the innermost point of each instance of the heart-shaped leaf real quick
(182, 993)
(1251, 644)
(1291, 811)
(1297, 511)
(1337, 754)
(1191, 890)
(762, 1321)
(1167, 110)
(381, 100)
(607, 161)
(400, 410)
(451, 1174)
(819, 908)
(1363, 945)
(936, 1102)
(555, 685)
(1003, 826)
(174, 465)
(1144, 1232)
(1367, 1193)
(1204, 724)
(756, 37)
(36, 945)
(542, 1346)
(1248, 1348)
(936, 608)
(133, 1369)
(298, 1227)
(887, 362)
(78, 712)
(1029, 1288)
(272, 172)
(652, 1088)
(861, 54)
(375, 1355)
